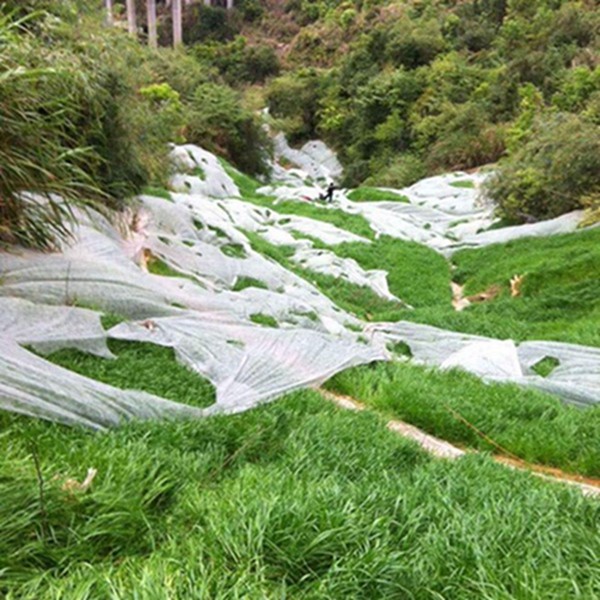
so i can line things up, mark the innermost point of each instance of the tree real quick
(131, 17)
(177, 28)
(152, 34)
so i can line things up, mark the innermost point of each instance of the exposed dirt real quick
(442, 449)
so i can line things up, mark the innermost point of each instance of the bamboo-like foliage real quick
(43, 171)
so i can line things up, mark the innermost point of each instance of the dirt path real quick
(444, 450)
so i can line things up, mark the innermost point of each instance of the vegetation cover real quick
(405, 87)
(300, 499)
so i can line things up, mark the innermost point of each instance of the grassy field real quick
(248, 190)
(294, 500)
(560, 297)
(370, 194)
(300, 499)
(359, 300)
(534, 426)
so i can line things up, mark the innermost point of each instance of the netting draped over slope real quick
(209, 325)
(205, 323)
(576, 379)
(445, 212)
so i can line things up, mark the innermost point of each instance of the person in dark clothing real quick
(329, 193)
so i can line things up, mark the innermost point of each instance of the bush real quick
(206, 23)
(467, 140)
(220, 124)
(42, 105)
(402, 172)
(552, 173)
(239, 63)
(294, 98)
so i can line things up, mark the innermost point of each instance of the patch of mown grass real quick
(157, 192)
(242, 283)
(140, 366)
(248, 190)
(360, 300)
(545, 366)
(370, 194)
(199, 172)
(264, 320)
(463, 183)
(296, 499)
(233, 250)
(416, 274)
(157, 266)
(530, 424)
(560, 294)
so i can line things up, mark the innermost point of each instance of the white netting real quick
(576, 379)
(207, 313)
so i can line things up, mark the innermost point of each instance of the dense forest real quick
(400, 88)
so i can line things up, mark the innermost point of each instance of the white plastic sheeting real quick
(212, 180)
(32, 386)
(314, 159)
(328, 263)
(439, 213)
(200, 235)
(208, 325)
(575, 380)
(249, 365)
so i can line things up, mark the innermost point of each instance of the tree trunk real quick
(152, 35)
(229, 4)
(131, 20)
(109, 12)
(177, 31)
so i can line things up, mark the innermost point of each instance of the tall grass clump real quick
(296, 499)
(39, 151)
(460, 408)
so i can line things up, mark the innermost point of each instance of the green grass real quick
(297, 499)
(545, 366)
(199, 172)
(140, 366)
(157, 266)
(463, 183)
(248, 191)
(532, 425)
(370, 194)
(233, 250)
(560, 293)
(416, 274)
(359, 300)
(246, 282)
(157, 192)
(264, 320)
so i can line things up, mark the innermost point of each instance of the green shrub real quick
(220, 124)
(551, 173)
(401, 172)
(294, 98)
(206, 23)
(40, 108)
(239, 62)
(467, 140)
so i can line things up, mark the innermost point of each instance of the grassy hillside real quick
(297, 499)
(560, 297)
